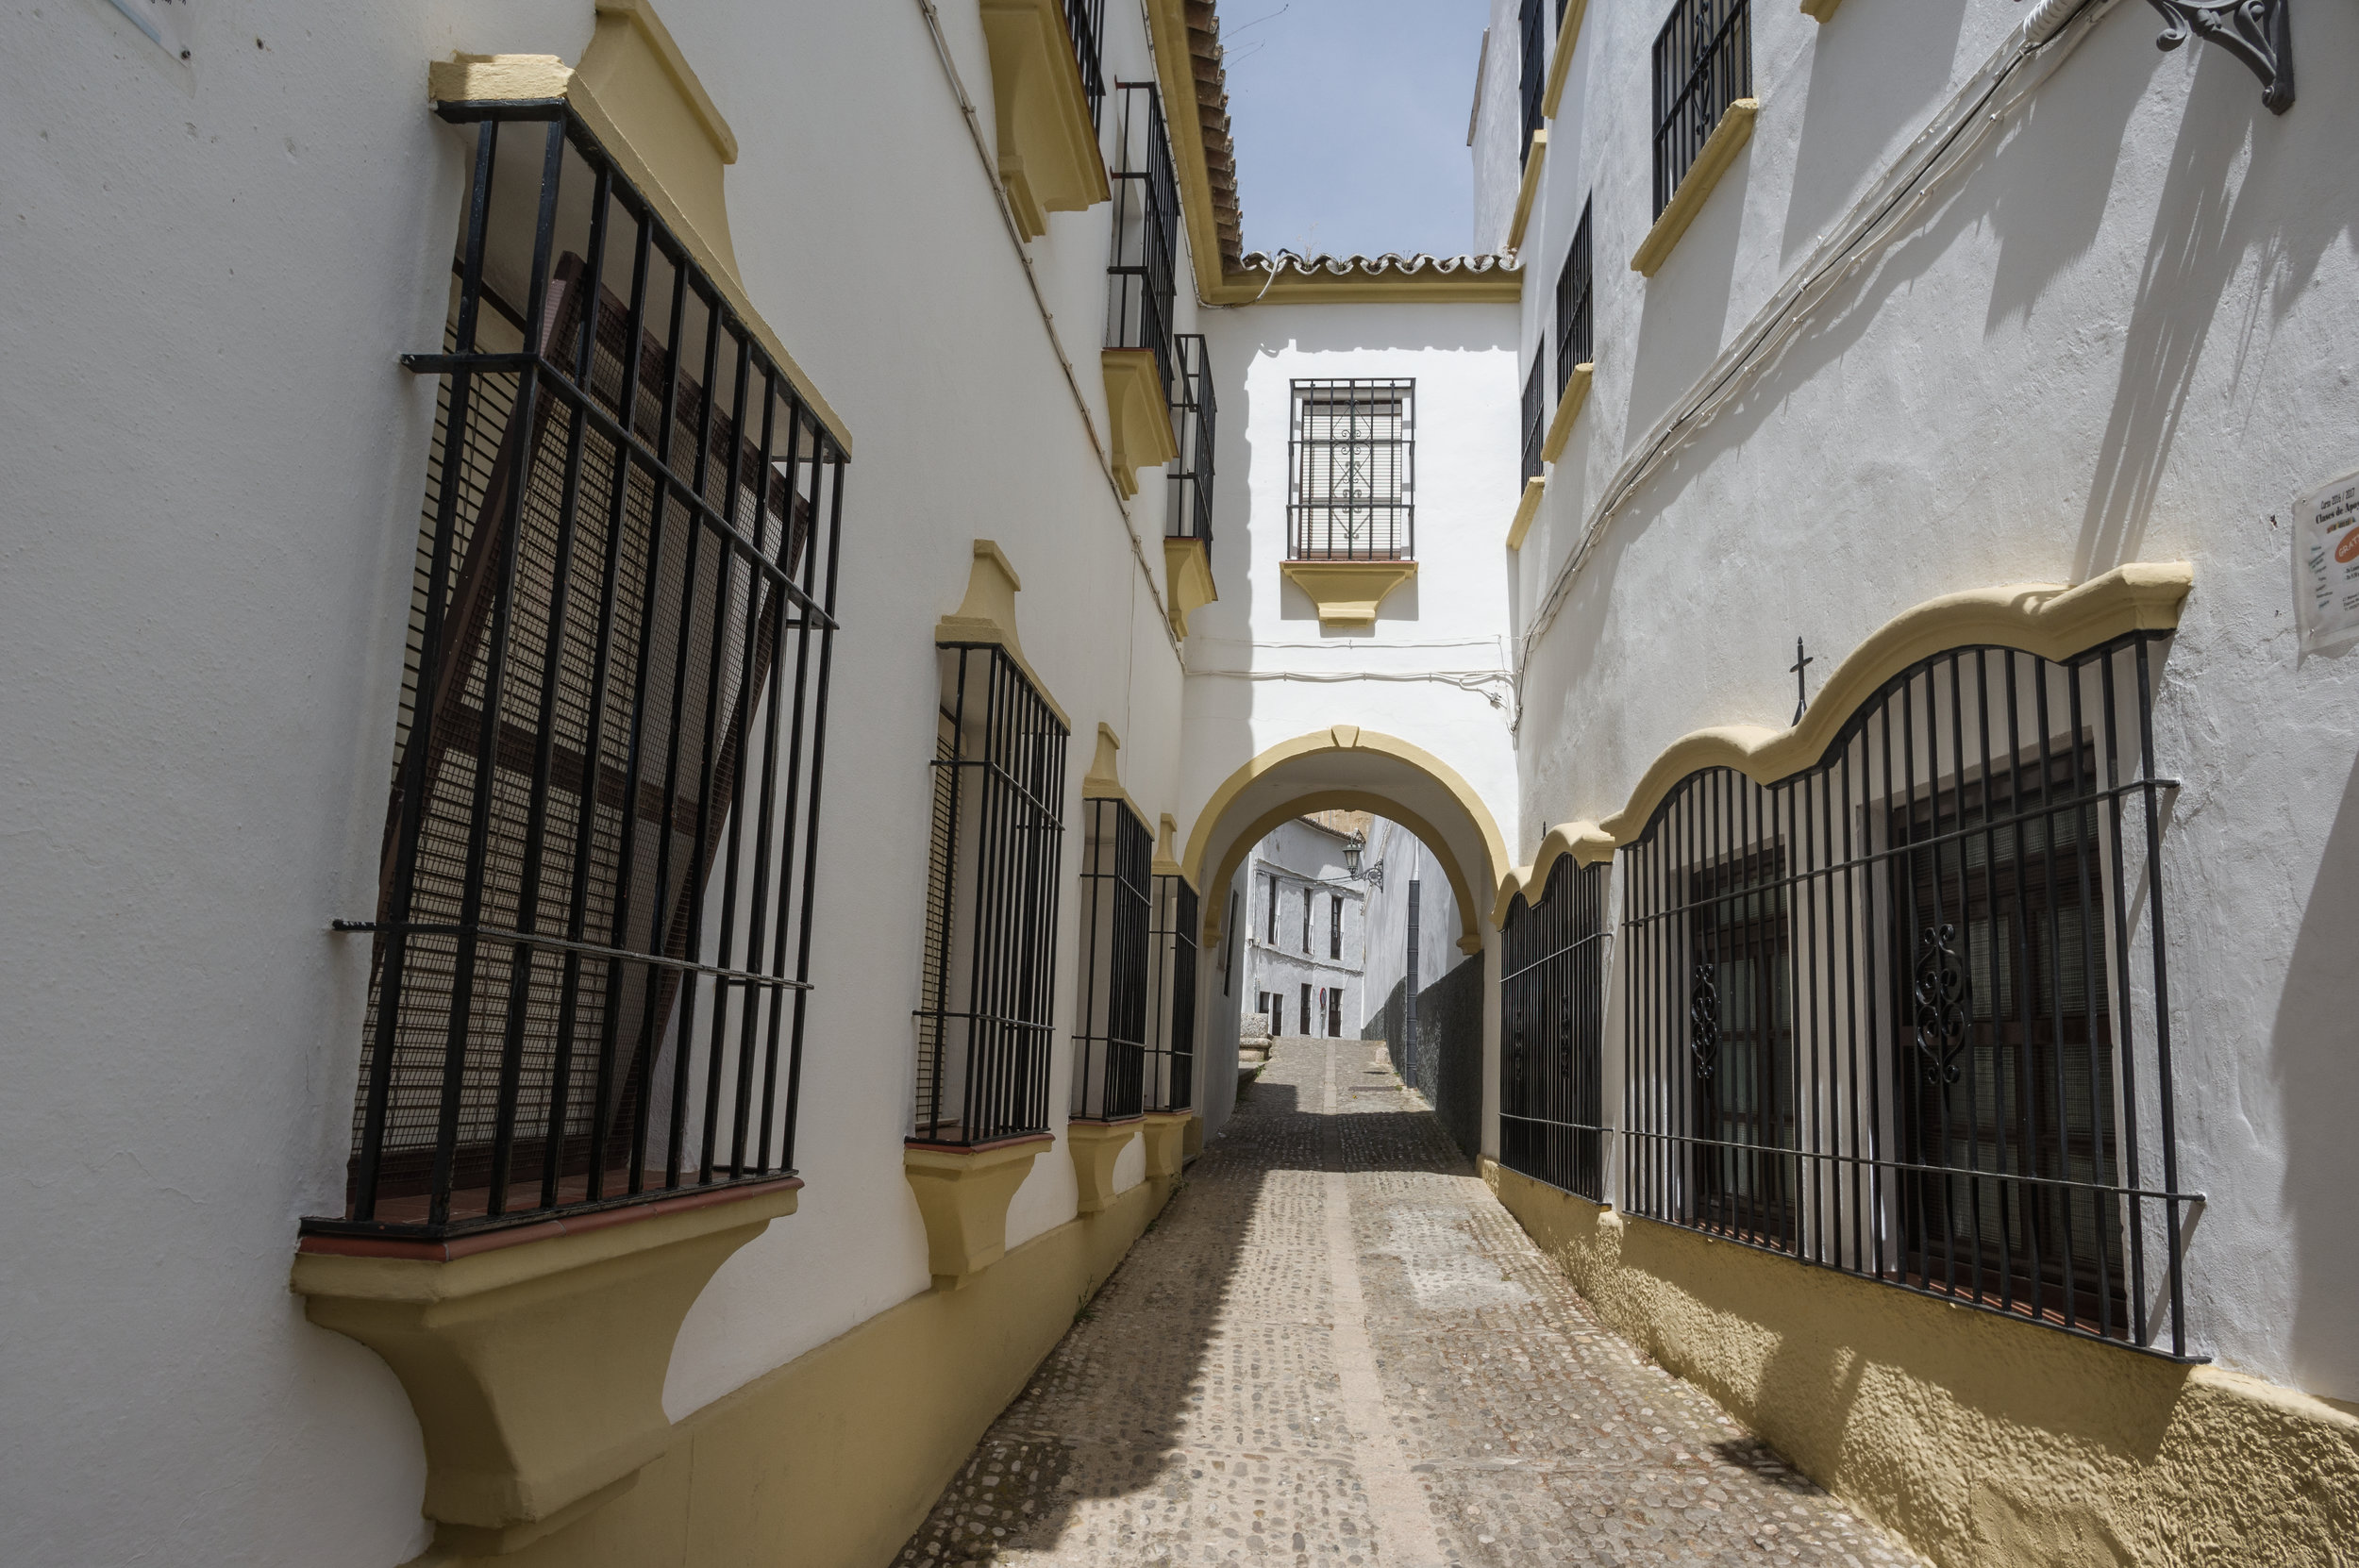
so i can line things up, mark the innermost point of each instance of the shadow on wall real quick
(1445, 1062)
(2314, 1047)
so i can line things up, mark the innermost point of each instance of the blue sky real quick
(1350, 121)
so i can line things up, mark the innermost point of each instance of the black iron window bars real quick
(1142, 285)
(1086, 20)
(1907, 1013)
(1576, 342)
(1535, 413)
(1110, 1045)
(1170, 1078)
(1351, 471)
(1532, 26)
(593, 935)
(1551, 1032)
(1194, 417)
(1703, 62)
(985, 1008)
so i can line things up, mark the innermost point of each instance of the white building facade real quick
(1308, 935)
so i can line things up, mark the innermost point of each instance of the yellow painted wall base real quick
(1987, 1443)
(831, 1461)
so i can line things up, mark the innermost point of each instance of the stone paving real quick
(1335, 1349)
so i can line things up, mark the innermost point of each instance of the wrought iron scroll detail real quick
(1940, 1004)
(1703, 1019)
(2258, 32)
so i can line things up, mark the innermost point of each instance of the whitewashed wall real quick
(212, 468)
(1302, 856)
(1404, 859)
(2125, 334)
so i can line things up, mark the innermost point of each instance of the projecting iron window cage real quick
(1109, 1050)
(1576, 341)
(593, 935)
(1907, 1013)
(1703, 62)
(1192, 417)
(1552, 1029)
(1351, 461)
(986, 1008)
(1086, 20)
(1533, 27)
(1170, 1077)
(1535, 415)
(1141, 277)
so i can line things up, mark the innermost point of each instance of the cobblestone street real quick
(1335, 1347)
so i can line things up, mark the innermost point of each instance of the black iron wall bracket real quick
(2258, 32)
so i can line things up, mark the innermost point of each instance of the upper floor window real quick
(1335, 926)
(1535, 415)
(1533, 27)
(985, 997)
(1143, 273)
(1575, 339)
(1306, 921)
(1351, 462)
(1192, 418)
(592, 933)
(1086, 20)
(1703, 62)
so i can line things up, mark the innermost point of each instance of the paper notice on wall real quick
(166, 21)
(2326, 563)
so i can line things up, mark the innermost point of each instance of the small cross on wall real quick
(1802, 681)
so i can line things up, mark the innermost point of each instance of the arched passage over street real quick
(1348, 767)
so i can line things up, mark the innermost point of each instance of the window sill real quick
(1049, 160)
(1728, 139)
(1348, 591)
(1568, 406)
(1529, 191)
(1095, 1147)
(490, 1346)
(963, 1193)
(1819, 10)
(1141, 436)
(1187, 579)
(1526, 509)
(1567, 36)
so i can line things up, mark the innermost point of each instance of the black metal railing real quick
(1352, 464)
(1576, 342)
(1907, 1013)
(1703, 62)
(985, 998)
(1536, 412)
(592, 942)
(1085, 19)
(1171, 1050)
(1194, 421)
(1110, 1047)
(1143, 276)
(1533, 28)
(1552, 1031)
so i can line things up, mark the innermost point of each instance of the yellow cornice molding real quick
(1720, 148)
(1560, 65)
(1499, 286)
(1585, 841)
(2050, 620)
(1526, 509)
(1527, 192)
(1167, 31)
(1568, 405)
(638, 107)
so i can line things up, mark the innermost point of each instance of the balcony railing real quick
(1351, 471)
(1703, 62)
(1142, 279)
(1086, 20)
(1192, 418)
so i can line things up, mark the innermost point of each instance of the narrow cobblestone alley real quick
(1335, 1347)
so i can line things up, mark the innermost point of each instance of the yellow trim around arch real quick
(1470, 932)
(1584, 841)
(1348, 738)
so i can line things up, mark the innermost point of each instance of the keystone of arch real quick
(1345, 737)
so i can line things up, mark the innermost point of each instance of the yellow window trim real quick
(1049, 160)
(1568, 406)
(987, 614)
(1567, 36)
(1720, 148)
(1527, 508)
(1527, 192)
(1819, 10)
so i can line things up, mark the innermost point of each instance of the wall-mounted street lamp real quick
(1354, 847)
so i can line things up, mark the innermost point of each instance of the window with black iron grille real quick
(1553, 1030)
(1335, 926)
(1575, 339)
(985, 1008)
(1305, 1017)
(1085, 19)
(1336, 1013)
(1192, 418)
(1141, 277)
(1270, 912)
(1351, 460)
(1305, 920)
(1703, 62)
(1532, 26)
(1906, 1014)
(591, 937)
(1171, 1051)
(1535, 413)
(1110, 1048)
